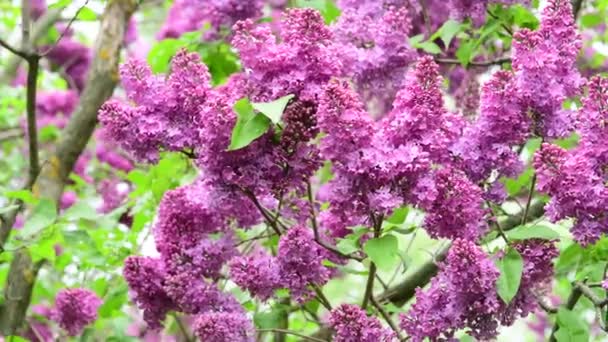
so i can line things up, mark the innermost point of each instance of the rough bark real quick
(101, 81)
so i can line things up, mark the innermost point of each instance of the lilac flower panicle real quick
(300, 261)
(575, 179)
(546, 60)
(166, 112)
(223, 326)
(462, 295)
(419, 115)
(457, 210)
(536, 278)
(258, 273)
(351, 324)
(146, 277)
(487, 145)
(74, 309)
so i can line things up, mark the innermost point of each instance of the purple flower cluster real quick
(545, 60)
(575, 179)
(257, 273)
(375, 51)
(463, 294)
(167, 112)
(74, 309)
(223, 326)
(454, 206)
(351, 324)
(191, 15)
(476, 9)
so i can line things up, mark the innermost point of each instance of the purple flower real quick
(74, 309)
(487, 145)
(167, 112)
(351, 324)
(146, 279)
(257, 273)
(546, 60)
(462, 295)
(224, 326)
(457, 208)
(300, 261)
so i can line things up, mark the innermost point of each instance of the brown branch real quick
(41, 27)
(271, 222)
(387, 318)
(10, 134)
(497, 61)
(369, 287)
(182, 328)
(576, 7)
(524, 217)
(101, 81)
(32, 126)
(13, 50)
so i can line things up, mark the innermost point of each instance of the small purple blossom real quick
(74, 309)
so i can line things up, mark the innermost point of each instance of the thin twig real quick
(508, 29)
(263, 211)
(315, 229)
(497, 61)
(182, 328)
(369, 287)
(524, 218)
(67, 28)
(425, 17)
(11, 134)
(575, 295)
(294, 333)
(386, 317)
(13, 50)
(322, 299)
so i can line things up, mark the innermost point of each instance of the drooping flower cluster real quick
(374, 50)
(166, 114)
(536, 278)
(222, 326)
(575, 179)
(487, 145)
(257, 273)
(74, 309)
(73, 57)
(454, 206)
(351, 324)
(545, 60)
(191, 15)
(463, 294)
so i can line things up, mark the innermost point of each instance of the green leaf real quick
(248, 127)
(465, 52)
(571, 327)
(269, 319)
(161, 53)
(347, 246)
(81, 210)
(447, 32)
(383, 251)
(398, 216)
(86, 14)
(429, 47)
(25, 195)
(43, 215)
(274, 109)
(60, 4)
(511, 267)
(592, 19)
(532, 232)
